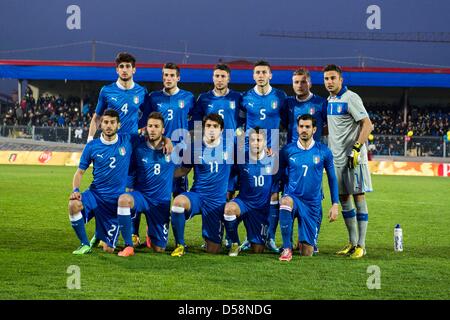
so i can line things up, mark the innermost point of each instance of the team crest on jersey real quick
(232, 105)
(312, 111)
(268, 169)
(274, 104)
(339, 109)
(316, 159)
(136, 100)
(167, 157)
(122, 151)
(181, 103)
(225, 156)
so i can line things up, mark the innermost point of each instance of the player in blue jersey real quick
(349, 126)
(252, 205)
(305, 102)
(152, 187)
(226, 103)
(223, 101)
(212, 164)
(110, 155)
(125, 96)
(303, 163)
(176, 106)
(263, 106)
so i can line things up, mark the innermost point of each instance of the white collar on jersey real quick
(123, 88)
(261, 156)
(260, 94)
(214, 144)
(109, 142)
(215, 94)
(152, 147)
(309, 147)
(168, 94)
(304, 100)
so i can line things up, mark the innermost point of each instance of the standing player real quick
(207, 195)
(349, 127)
(153, 183)
(305, 102)
(221, 100)
(304, 162)
(125, 96)
(110, 155)
(176, 106)
(263, 106)
(252, 205)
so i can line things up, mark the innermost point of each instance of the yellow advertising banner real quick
(398, 168)
(49, 158)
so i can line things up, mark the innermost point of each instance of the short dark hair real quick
(262, 63)
(213, 117)
(302, 72)
(172, 66)
(112, 113)
(125, 57)
(332, 67)
(223, 67)
(258, 130)
(307, 116)
(156, 115)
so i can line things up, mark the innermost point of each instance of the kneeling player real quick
(153, 173)
(208, 193)
(110, 155)
(303, 163)
(252, 205)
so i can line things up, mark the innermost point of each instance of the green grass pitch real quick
(36, 241)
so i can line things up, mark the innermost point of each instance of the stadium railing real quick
(381, 145)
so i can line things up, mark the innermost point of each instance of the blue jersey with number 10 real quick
(257, 181)
(127, 102)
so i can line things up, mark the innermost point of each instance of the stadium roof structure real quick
(202, 73)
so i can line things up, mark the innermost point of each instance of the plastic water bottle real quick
(398, 238)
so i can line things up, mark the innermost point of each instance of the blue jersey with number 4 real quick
(127, 102)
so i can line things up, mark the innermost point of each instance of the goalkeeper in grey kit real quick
(349, 127)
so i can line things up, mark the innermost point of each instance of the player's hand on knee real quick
(354, 157)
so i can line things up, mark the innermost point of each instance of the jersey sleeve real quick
(86, 157)
(331, 174)
(101, 103)
(146, 108)
(356, 108)
(198, 112)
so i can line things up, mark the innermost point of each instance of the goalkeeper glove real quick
(354, 157)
